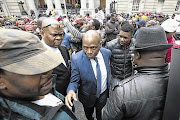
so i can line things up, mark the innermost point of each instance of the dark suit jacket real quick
(63, 72)
(83, 79)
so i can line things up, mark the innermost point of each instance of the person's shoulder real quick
(107, 51)
(112, 43)
(124, 83)
(78, 55)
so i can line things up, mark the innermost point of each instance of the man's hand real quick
(68, 99)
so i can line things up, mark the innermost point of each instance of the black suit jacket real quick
(63, 72)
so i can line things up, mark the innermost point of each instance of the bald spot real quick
(91, 35)
(49, 21)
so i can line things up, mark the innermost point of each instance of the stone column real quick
(108, 2)
(32, 6)
(49, 6)
(83, 6)
(58, 10)
(91, 8)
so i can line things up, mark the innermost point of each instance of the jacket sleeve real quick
(73, 30)
(113, 110)
(75, 76)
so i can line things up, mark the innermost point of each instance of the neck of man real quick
(152, 59)
(152, 62)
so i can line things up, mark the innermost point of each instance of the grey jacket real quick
(111, 31)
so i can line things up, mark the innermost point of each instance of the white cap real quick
(170, 25)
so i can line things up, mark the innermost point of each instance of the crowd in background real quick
(117, 33)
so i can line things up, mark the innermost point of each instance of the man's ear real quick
(2, 85)
(42, 32)
(137, 56)
(101, 43)
(93, 28)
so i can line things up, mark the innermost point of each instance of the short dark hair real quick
(96, 24)
(128, 28)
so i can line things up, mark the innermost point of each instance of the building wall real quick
(169, 6)
(11, 7)
(150, 5)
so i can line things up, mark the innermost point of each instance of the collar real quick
(153, 69)
(98, 55)
(51, 48)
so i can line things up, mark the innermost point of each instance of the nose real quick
(89, 51)
(58, 37)
(122, 39)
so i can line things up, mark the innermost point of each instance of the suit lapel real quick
(65, 56)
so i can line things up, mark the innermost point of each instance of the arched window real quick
(177, 5)
(135, 6)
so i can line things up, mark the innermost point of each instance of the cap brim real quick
(154, 47)
(36, 64)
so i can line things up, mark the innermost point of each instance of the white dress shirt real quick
(56, 50)
(48, 100)
(102, 69)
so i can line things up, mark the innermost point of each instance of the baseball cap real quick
(170, 25)
(141, 22)
(23, 53)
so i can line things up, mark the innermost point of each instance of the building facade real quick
(23, 7)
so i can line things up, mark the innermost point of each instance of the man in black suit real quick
(52, 36)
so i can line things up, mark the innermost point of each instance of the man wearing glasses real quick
(52, 36)
(121, 64)
(90, 76)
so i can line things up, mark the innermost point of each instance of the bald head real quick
(92, 35)
(91, 44)
(49, 21)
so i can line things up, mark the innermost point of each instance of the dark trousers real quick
(100, 103)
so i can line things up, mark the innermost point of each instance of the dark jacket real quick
(16, 109)
(139, 97)
(111, 31)
(121, 66)
(63, 72)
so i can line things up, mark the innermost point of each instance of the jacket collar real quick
(153, 70)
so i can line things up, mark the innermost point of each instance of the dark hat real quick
(151, 38)
(23, 53)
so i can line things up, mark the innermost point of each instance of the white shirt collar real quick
(56, 50)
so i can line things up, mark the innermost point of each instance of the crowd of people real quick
(117, 64)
